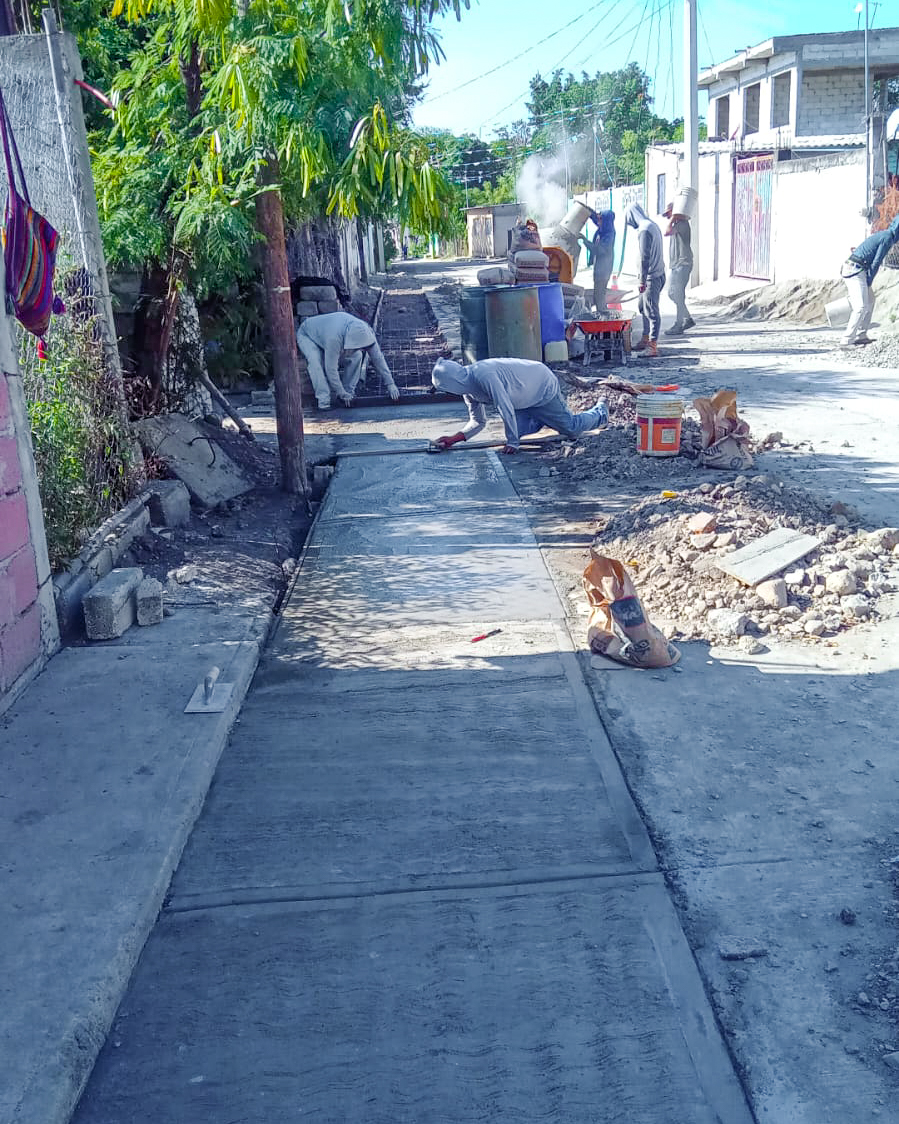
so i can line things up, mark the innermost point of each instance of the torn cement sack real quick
(618, 626)
(725, 436)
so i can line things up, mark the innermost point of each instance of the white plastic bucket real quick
(685, 201)
(577, 215)
(556, 351)
(837, 313)
(658, 424)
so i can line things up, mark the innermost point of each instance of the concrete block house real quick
(783, 175)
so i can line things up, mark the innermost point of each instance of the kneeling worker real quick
(322, 338)
(525, 393)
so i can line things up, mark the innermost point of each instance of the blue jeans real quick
(555, 415)
(649, 306)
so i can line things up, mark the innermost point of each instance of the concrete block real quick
(209, 473)
(306, 308)
(109, 608)
(318, 293)
(169, 503)
(149, 602)
(328, 306)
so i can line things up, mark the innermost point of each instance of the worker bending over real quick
(858, 273)
(525, 393)
(322, 338)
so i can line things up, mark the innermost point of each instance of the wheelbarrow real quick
(604, 339)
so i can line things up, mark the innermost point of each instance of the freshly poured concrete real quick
(419, 890)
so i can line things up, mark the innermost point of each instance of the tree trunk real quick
(279, 319)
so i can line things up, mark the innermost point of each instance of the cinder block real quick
(328, 306)
(318, 293)
(169, 503)
(306, 308)
(109, 608)
(149, 602)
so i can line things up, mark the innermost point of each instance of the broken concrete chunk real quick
(191, 455)
(149, 602)
(840, 582)
(883, 539)
(702, 523)
(168, 503)
(184, 575)
(855, 605)
(740, 948)
(703, 542)
(892, 1060)
(728, 538)
(768, 555)
(728, 622)
(109, 607)
(795, 577)
(773, 592)
(814, 627)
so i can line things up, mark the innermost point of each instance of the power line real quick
(515, 58)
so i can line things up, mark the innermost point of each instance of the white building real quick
(782, 177)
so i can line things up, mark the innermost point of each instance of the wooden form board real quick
(768, 555)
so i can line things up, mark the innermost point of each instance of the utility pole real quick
(691, 117)
(867, 125)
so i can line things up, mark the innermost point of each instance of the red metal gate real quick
(751, 252)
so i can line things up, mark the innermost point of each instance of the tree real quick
(230, 109)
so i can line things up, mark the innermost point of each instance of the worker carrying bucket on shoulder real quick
(525, 392)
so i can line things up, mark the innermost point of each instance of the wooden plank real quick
(768, 555)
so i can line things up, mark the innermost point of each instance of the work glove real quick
(641, 288)
(508, 450)
(448, 442)
(393, 391)
(345, 398)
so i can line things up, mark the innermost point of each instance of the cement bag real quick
(530, 259)
(496, 275)
(725, 436)
(618, 626)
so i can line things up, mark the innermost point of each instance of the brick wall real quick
(832, 101)
(28, 627)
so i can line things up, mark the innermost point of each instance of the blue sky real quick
(608, 35)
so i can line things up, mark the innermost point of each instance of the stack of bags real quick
(530, 267)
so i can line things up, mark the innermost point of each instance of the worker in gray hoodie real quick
(323, 338)
(680, 266)
(525, 392)
(651, 278)
(858, 273)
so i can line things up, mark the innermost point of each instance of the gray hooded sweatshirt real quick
(649, 241)
(508, 384)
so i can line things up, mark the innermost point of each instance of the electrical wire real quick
(515, 58)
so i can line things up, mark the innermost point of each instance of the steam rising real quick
(541, 187)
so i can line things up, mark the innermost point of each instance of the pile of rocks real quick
(672, 545)
(884, 352)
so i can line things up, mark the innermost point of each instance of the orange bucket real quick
(659, 424)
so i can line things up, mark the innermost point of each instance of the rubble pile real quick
(883, 352)
(671, 547)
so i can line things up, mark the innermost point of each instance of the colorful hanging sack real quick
(29, 246)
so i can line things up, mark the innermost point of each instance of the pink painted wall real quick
(20, 610)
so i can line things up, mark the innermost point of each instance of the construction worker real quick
(526, 394)
(858, 273)
(651, 276)
(602, 252)
(322, 338)
(680, 263)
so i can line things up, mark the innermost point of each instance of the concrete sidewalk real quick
(419, 889)
(103, 778)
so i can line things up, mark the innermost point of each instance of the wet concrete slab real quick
(578, 1003)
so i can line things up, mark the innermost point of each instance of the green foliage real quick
(565, 111)
(81, 449)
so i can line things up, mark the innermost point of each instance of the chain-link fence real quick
(74, 393)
